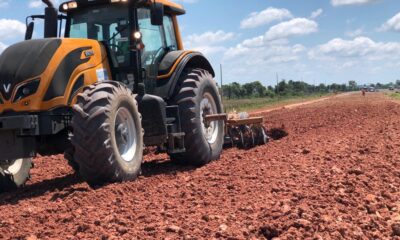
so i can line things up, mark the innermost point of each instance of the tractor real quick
(108, 78)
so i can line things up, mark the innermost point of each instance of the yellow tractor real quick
(116, 80)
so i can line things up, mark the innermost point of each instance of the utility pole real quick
(222, 90)
(220, 71)
(277, 85)
(314, 85)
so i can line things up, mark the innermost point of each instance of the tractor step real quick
(176, 143)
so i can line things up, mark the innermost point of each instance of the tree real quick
(353, 85)
(236, 89)
(282, 87)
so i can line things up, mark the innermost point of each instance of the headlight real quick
(26, 90)
(68, 5)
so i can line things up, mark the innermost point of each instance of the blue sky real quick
(322, 41)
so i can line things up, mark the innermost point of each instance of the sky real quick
(317, 41)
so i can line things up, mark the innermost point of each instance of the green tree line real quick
(291, 88)
(284, 88)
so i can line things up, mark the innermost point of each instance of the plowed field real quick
(335, 176)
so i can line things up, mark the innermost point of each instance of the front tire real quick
(198, 97)
(14, 175)
(107, 134)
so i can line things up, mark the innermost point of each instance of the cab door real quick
(157, 41)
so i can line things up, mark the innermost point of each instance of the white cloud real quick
(257, 50)
(209, 38)
(316, 13)
(294, 27)
(256, 59)
(39, 3)
(35, 3)
(208, 42)
(2, 47)
(392, 24)
(355, 33)
(254, 42)
(351, 2)
(264, 17)
(11, 28)
(360, 48)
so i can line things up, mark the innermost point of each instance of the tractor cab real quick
(137, 35)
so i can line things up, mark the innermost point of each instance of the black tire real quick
(95, 134)
(15, 175)
(195, 85)
(69, 156)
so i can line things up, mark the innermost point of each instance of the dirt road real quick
(335, 176)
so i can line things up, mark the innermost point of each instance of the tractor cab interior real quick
(106, 24)
(151, 36)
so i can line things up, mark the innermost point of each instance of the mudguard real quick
(172, 66)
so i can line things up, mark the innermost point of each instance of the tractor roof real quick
(170, 6)
(173, 7)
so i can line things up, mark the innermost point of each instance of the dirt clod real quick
(356, 171)
(396, 229)
(269, 232)
(173, 228)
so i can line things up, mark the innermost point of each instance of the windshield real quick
(104, 23)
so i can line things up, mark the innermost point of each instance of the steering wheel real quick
(156, 54)
(118, 48)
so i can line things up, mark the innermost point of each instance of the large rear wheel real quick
(198, 97)
(14, 174)
(107, 134)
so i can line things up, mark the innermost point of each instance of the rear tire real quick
(197, 97)
(15, 175)
(107, 134)
(69, 156)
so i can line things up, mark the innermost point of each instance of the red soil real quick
(335, 176)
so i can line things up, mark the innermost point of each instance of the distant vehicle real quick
(371, 89)
(391, 88)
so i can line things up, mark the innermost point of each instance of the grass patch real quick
(241, 105)
(394, 95)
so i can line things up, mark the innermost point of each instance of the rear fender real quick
(168, 80)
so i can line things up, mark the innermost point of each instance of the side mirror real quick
(29, 31)
(157, 14)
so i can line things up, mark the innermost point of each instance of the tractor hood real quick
(43, 74)
(23, 61)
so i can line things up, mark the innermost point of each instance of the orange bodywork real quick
(170, 4)
(97, 61)
(35, 102)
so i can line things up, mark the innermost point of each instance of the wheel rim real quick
(209, 107)
(125, 134)
(14, 167)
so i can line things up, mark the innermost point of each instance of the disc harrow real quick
(241, 130)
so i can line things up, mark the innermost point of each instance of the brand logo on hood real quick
(7, 87)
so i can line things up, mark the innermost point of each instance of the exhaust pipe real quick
(50, 20)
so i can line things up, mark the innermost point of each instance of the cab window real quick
(170, 36)
(104, 23)
(152, 37)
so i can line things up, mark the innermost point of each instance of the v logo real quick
(7, 87)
